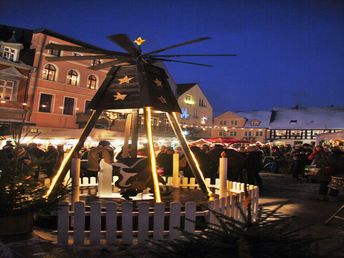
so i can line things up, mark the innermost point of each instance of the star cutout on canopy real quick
(157, 82)
(162, 100)
(139, 41)
(119, 96)
(125, 79)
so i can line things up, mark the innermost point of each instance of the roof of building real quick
(184, 87)
(24, 36)
(262, 118)
(308, 118)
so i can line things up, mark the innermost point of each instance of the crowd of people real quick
(34, 157)
(245, 163)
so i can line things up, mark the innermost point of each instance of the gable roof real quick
(308, 118)
(184, 87)
(262, 116)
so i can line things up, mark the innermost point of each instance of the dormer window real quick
(10, 53)
(293, 121)
(55, 52)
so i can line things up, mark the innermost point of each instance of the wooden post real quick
(75, 173)
(62, 171)
(223, 175)
(151, 152)
(134, 133)
(175, 175)
(172, 117)
(127, 130)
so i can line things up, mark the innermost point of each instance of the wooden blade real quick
(83, 49)
(179, 55)
(177, 45)
(178, 61)
(109, 64)
(123, 41)
(78, 58)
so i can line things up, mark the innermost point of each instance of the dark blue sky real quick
(290, 52)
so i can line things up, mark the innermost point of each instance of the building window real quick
(72, 77)
(222, 134)
(92, 82)
(259, 133)
(96, 62)
(233, 133)
(293, 121)
(76, 54)
(234, 122)
(87, 109)
(189, 100)
(201, 103)
(248, 134)
(223, 122)
(10, 53)
(49, 72)
(68, 106)
(54, 52)
(45, 103)
(6, 90)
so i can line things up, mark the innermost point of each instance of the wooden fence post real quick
(63, 224)
(223, 165)
(127, 223)
(143, 222)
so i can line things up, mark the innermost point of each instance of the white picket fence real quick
(130, 223)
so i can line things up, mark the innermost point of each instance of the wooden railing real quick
(127, 223)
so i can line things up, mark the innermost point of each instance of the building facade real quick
(251, 126)
(196, 111)
(14, 77)
(303, 124)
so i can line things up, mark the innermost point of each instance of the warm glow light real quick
(209, 193)
(152, 155)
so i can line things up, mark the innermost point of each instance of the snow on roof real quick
(308, 118)
(262, 117)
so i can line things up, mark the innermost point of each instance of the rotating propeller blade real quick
(123, 41)
(177, 45)
(178, 61)
(83, 50)
(79, 58)
(109, 64)
(179, 55)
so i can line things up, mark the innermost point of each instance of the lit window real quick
(49, 72)
(77, 54)
(72, 77)
(68, 106)
(92, 82)
(189, 100)
(6, 90)
(45, 103)
(95, 62)
(10, 53)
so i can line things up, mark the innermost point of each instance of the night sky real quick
(289, 52)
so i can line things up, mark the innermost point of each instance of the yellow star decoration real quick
(162, 100)
(139, 41)
(119, 96)
(125, 79)
(157, 82)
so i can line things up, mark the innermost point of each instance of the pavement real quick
(302, 203)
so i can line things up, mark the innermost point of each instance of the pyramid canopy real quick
(136, 86)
